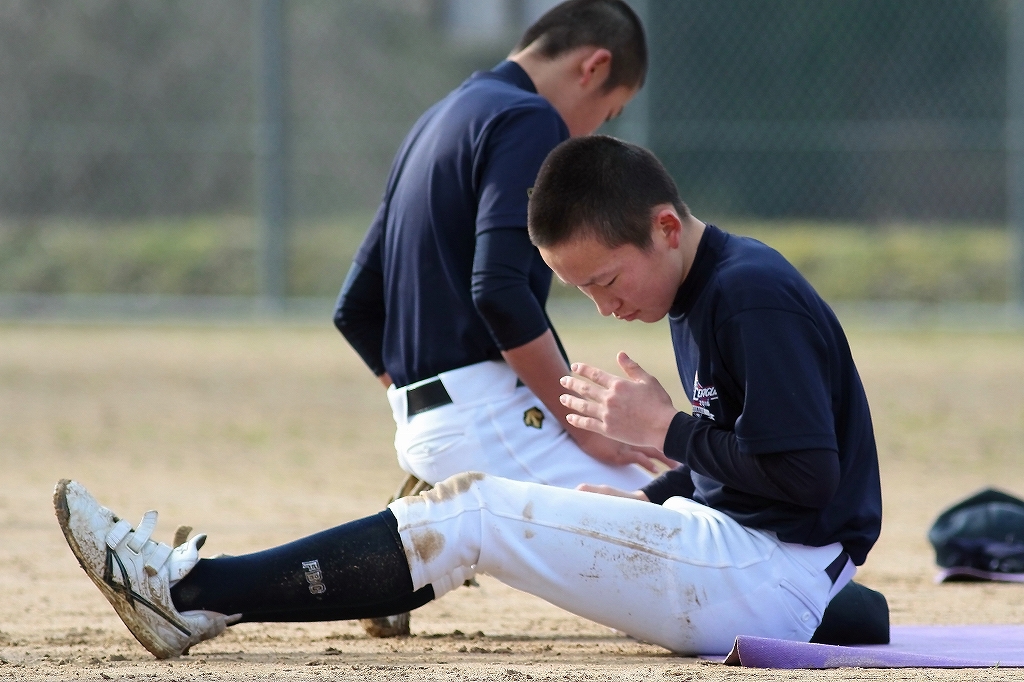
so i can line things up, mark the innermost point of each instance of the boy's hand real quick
(634, 409)
(614, 453)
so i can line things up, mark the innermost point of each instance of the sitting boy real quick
(775, 502)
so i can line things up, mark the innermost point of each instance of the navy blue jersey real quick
(446, 275)
(767, 364)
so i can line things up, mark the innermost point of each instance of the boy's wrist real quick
(677, 436)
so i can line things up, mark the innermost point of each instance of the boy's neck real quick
(689, 241)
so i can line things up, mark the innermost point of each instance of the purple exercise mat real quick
(934, 646)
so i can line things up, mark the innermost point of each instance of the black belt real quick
(835, 569)
(426, 397)
(430, 395)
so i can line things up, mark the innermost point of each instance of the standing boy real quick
(445, 299)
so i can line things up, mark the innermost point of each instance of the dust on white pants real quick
(683, 576)
(501, 429)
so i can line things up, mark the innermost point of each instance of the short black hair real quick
(599, 187)
(611, 24)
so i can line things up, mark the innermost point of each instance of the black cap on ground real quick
(981, 538)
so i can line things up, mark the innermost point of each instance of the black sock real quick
(356, 570)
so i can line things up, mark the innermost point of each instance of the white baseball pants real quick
(497, 428)
(682, 575)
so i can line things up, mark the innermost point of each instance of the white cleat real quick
(135, 573)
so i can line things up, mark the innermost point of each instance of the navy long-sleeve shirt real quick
(446, 276)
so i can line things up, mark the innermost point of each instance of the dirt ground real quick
(260, 434)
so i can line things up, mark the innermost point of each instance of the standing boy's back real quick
(445, 299)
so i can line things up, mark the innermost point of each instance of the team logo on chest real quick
(533, 417)
(702, 397)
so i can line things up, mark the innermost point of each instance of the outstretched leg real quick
(680, 575)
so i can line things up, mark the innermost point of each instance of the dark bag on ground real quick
(856, 615)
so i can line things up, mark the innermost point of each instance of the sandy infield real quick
(260, 434)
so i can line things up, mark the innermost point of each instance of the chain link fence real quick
(129, 108)
(858, 110)
(129, 129)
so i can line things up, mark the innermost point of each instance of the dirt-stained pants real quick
(682, 575)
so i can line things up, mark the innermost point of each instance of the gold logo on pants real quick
(533, 417)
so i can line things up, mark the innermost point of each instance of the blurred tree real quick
(112, 102)
(130, 108)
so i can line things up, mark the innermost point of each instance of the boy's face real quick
(585, 115)
(627, 282)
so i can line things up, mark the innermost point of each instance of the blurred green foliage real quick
(894, 262)
(201, 256)
(215, 256)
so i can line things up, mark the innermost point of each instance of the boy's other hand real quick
(615, 453)
(614, 492)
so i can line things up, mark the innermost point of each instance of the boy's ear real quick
(667, 226)
(595, 68)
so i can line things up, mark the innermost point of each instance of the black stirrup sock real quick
(356, 570)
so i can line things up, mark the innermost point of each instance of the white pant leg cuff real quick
(440, 532)
(403, 511)
(422, 545)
